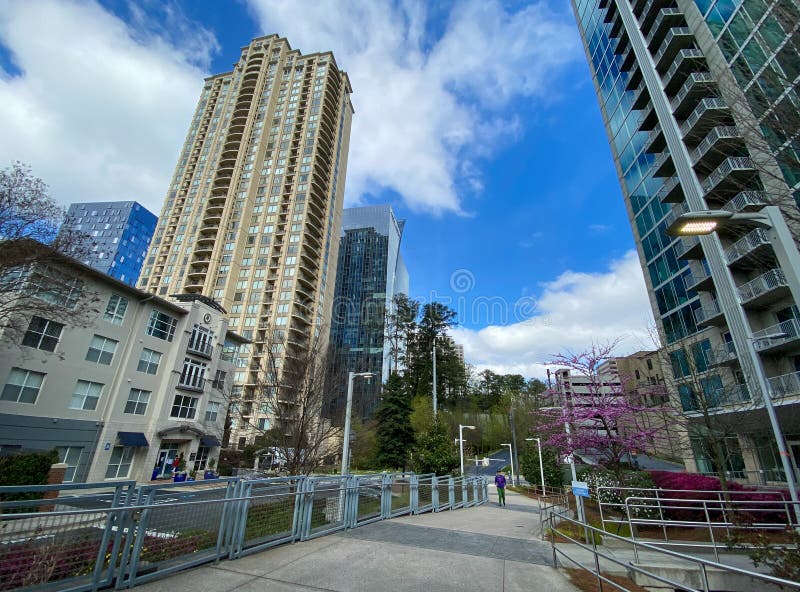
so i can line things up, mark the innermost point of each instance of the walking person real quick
(500, 482)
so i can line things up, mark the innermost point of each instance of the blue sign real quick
(580, 489)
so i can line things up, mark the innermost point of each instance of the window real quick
(101, 350)
(161, 325)
(193, 374)
(149, 361)
(120, 464)
(212, 411)
(42, 334)
(201, 341)
(184, 407)
(54, 287)
(115, 311)
(23, 386)
(71, 456)
(219, 380)
(137, 401)
(86, 395)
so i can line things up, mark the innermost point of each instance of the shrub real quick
(692, 486)
(26, 468)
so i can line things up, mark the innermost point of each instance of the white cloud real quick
(572, 311)
(427, 107)
(100, 107)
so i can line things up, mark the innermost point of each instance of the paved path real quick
(481, 548)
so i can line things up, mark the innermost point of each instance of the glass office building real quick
(370, 273)
(697, 100)
(120, 232)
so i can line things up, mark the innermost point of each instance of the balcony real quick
(784, 335)
(784, 386)
(766, 288)
(200, 348)
(650, 13)
(686, 62)
(667, 18)
(697, 86)
(698, 278)
(734, 171)
(616, 26)
(751, 245)
(655, 141)
(708, 113)
(648, 119)
(690, 248)
(671, 192)
(628, 59)
(714, 147)
(641, 96)
(709, 314)
(719, 356)
(677, 39)
(193, 382)
(735, 394)
(746, 201)
(663, 165)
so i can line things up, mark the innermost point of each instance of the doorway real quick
(166, 454)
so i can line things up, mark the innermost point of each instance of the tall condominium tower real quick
(370, 273)
(699, 100)
(252, 216)
(120, 232)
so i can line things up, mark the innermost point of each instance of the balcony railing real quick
(677, 38)
(746, 201)
(696, 82)
(671, 192)
(721, 355)
(690, 248)
(715, 135)
(192, 382)
(745, 245)
(703, 109)
(771, 280)
(707, 313)
(686, 58)
(732, 395)
(696, 277)
(200, 348)
(729, 167)
(785, 386)
(666, 17)
(777, 335)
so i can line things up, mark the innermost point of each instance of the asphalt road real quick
(498, 460)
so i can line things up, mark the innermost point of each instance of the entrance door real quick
(166, 454)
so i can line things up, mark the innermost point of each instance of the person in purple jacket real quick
(500, 481)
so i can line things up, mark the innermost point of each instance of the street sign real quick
(568, 459)
(485, 461)
(580, 489)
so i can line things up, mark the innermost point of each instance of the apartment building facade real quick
(253, 214)
(119, 381)
(370, 273)
(120, 234)
(696, 98)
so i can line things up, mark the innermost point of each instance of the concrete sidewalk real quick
(482, 548)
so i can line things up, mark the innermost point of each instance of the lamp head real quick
(698, 223)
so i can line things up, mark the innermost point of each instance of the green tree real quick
(434, 451)
(394, 436)
(401, 325)
(529, 466)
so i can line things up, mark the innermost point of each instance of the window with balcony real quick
(193, 374)
(184, 407)
(42, 334)
(201, 341)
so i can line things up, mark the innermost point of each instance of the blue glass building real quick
(695, 97)
(370, 273)
(120, 232)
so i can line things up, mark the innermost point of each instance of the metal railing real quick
(770, 280)
(97, 535)
(557, 519)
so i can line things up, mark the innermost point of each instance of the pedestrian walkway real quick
(481, 548)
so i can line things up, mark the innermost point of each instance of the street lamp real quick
(346, 444)
(461, 444)
(511, 458)
(707, 221)
(434, 386)
(541, 465)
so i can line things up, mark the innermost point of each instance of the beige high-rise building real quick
(253, 214)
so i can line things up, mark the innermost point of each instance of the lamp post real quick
(434, 386)
(707, 221)
(541, 464)
(461, 444)
(346, 444)
(511, 458)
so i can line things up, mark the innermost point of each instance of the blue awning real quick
(132, 439)
(209, 441)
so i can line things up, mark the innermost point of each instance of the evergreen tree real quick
(529, 466)
(434, 452)
(395, 436)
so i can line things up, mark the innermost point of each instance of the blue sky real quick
(476, 120)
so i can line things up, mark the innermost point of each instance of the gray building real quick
(120, 233)
(698, 99)
(119, 381)
(370, 273)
